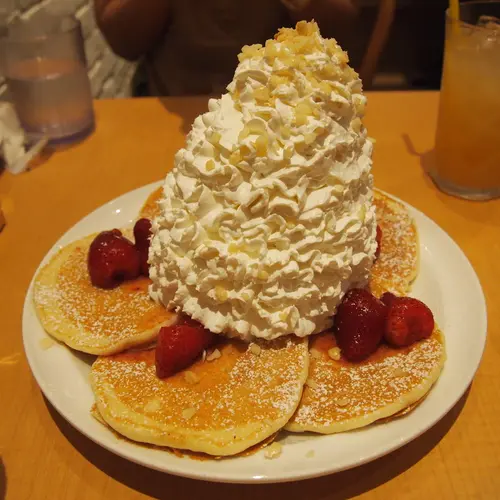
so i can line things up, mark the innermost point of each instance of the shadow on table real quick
(187, 108)
(3, 480)
(340, 486)
(426, 158)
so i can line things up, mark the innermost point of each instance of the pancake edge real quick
(417, 394)
(51, 316)
(196, 441)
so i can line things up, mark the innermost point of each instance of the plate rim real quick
(197, 472)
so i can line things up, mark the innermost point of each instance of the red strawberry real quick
(388, 298)
(112, 259)
(142, 235)
(142, 232)
(379, 241)
(408, 320)
(184, 319)
(359, 321)
(178, 346)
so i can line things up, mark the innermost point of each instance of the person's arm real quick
(328, 13)
(131, 27)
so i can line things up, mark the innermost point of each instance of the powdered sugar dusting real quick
(114, 314)
(239, 388)
(397, 264)
(345, 391)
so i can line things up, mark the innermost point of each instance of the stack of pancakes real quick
(238, 394)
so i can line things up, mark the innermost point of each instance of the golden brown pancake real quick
(397, 265)
(92, 319)
(186, 453)
(219, 407)
(340, 396)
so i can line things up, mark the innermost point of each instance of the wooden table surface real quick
(42, 456)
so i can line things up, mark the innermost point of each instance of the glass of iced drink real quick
(44, 63)
(468, 132)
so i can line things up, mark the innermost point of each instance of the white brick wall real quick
(110, 76)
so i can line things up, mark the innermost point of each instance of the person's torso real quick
(198, 54)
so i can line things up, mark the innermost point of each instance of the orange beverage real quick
(468, 133)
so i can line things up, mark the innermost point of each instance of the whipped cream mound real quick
(267, 217)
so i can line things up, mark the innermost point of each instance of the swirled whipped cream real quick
(267, 217)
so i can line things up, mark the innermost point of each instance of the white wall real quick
(110, 76)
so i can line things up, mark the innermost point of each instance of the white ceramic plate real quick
(447, 283)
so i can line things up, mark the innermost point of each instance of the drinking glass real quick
(467, 140)
(45, 68)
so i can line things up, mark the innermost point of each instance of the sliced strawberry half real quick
(359, 323)
(112, 259)
(178, 346)
(408, 320)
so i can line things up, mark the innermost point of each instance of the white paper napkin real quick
(13, 148)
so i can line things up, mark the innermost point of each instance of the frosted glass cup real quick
(467, 153)
(45, 68)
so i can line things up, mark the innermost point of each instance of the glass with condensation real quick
(46, 72)
(467, 161)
